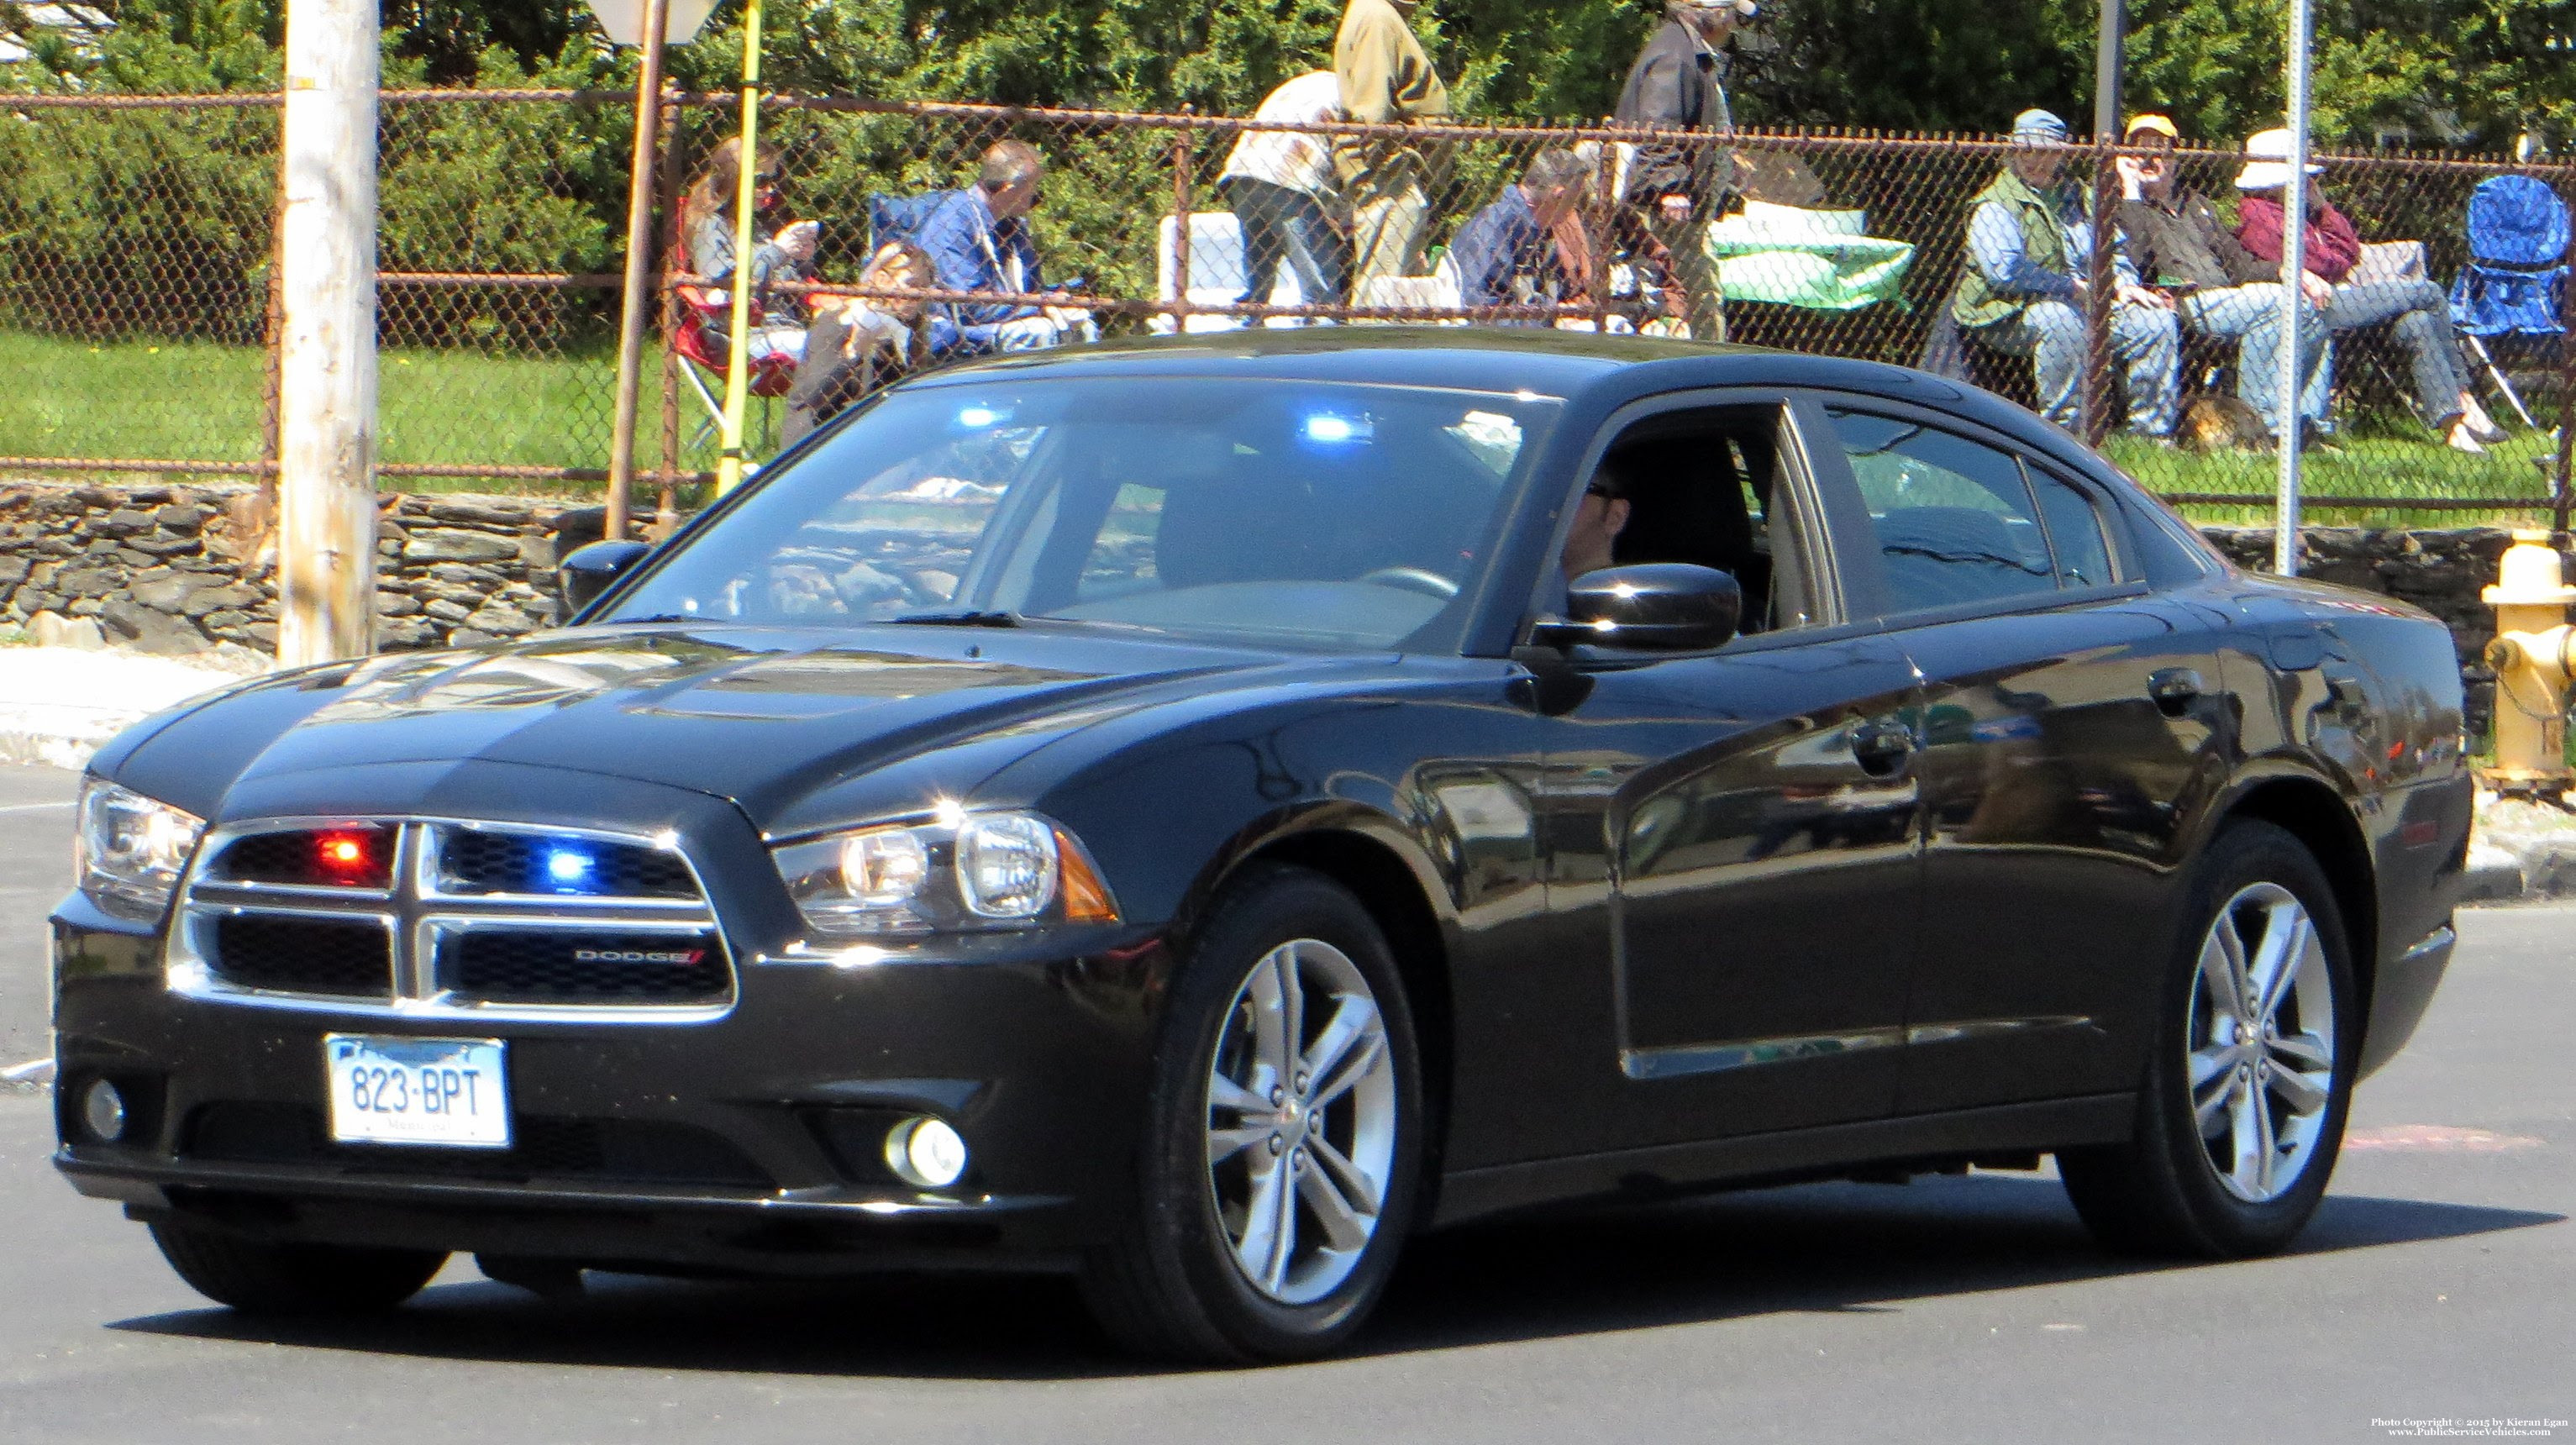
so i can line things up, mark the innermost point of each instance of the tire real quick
(260, 1277)
(1193, 1274)
(2166, 1191)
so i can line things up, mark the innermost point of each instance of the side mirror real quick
(1650, 607)
(590, 570)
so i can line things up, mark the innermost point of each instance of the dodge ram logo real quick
(637, 955)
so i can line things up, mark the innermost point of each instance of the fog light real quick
(103, 1111)
(926, 1153)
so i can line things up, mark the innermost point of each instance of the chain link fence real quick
(136, 274)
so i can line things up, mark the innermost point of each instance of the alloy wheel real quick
(1301, 1127)
(2260, 1051)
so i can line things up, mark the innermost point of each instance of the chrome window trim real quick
(414, 912)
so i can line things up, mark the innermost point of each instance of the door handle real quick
(1882, 746)
(2175, 689)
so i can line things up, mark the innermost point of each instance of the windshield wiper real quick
(959, 619)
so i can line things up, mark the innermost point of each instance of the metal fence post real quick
(666, 514)
(1182, 165)
(2562, 497)
(270, 382)
(2101, 287)
(1604, 207)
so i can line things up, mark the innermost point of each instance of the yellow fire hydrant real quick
(2531, 663)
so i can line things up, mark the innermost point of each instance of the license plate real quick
(448, 1093)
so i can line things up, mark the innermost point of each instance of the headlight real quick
(955, 872)
(129, 851)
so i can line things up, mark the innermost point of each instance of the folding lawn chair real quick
(2517, 265)
(704, 313)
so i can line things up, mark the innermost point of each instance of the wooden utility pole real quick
(326, 493)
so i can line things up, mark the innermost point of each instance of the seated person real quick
(2217, 287)
(1598, 520)
(978, 240)
(1697, 492)
(1507, 253)
(858, 343)
(2022, 294)
(707, 225)
(2418, 313)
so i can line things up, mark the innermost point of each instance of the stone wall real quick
(179, 569)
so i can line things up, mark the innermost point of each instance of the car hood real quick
(757, 716)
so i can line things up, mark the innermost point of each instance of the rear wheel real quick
(262, 1277)
(1280, 1164)
(2246, 1091)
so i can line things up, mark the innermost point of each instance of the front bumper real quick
(748, 1142)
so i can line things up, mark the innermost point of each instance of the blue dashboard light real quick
(1326, 427)
(568, 868)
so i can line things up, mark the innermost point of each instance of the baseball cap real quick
(2152, 122)
(2039, 128)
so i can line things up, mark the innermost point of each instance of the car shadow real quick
(1814, 1248)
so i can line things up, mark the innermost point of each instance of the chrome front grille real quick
(419, 917)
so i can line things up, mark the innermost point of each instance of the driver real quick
(1598, 519)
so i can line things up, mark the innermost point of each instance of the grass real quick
(201, 401)
(2397, 468)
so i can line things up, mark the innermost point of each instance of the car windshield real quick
(1260, 511)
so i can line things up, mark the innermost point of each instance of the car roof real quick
(1506, 359)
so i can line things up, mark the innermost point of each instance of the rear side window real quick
(2074, 532)
(1958, 522)
(1955, 520)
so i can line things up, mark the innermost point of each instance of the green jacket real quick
(1976, 302)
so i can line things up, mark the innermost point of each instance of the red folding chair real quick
(700, 343)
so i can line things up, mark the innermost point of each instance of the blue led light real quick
(1327, 428)
(568, 868)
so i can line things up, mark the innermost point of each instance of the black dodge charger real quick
(1196, 814)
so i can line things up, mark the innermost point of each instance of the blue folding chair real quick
(899, 218)
(2517, 268)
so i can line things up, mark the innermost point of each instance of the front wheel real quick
(2246, 1092)
(1281, 1153)
(260, 1277)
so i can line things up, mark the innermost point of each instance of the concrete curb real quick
(2521, 851)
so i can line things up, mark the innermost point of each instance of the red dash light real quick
(349, 855)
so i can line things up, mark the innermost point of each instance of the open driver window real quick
(1705, 486)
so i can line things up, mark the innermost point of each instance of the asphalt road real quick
(2438, 1282)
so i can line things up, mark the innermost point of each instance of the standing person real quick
(862, 342)
(2020, 293)
(978, 239)
(2417, 312)
(784, 254)
(1385, 79)
(2220, 289)
(1674, 191)
(1508, 254)
(1281, 187)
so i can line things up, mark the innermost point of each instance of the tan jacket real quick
(1385, 76)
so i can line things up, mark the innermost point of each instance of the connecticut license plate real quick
(448, 1092)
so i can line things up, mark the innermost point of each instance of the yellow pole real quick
(738, 350)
